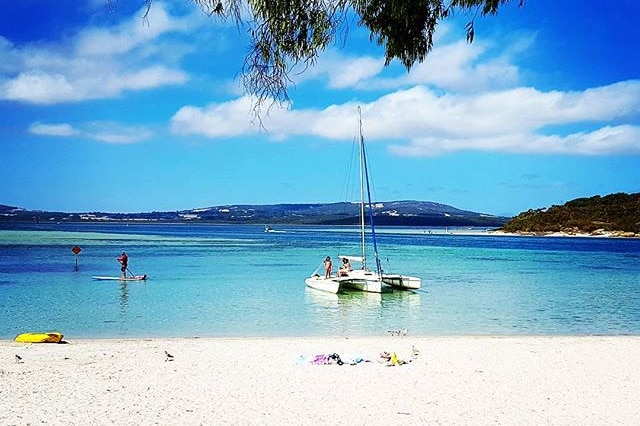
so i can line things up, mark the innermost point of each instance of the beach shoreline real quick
(611, 234)
(249, 381)
(483, 231)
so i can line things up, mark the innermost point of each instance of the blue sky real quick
(100, 111)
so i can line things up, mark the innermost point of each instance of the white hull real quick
(363, 280)
(404, 282)
(136, 278)
(360, 280)
(371, 286)
(330, 285)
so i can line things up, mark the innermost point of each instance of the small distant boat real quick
(269, 229)
(51, 337)
(133, 278)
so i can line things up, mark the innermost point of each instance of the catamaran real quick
(362, 278)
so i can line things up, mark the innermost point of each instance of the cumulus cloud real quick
(52, 88)
(234, 119)
(342, 71)
(99, 42)
(453, 66)
(422, 122)
(217, 120)
(97, 63)
(609, 140)
(462, 67)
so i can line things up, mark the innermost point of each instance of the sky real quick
(101, 110)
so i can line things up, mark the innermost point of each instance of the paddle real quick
(132, 274)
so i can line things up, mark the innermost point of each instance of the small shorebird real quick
(414, 352)
(18, 359)
(169, 356)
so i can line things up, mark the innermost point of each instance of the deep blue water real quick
(215, 280)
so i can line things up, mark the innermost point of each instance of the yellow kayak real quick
(52, 337)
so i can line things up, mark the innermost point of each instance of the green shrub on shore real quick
(612, 213)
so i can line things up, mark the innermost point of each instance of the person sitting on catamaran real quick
(345, 268)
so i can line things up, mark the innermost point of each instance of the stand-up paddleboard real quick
(135, 278)
(52, 337)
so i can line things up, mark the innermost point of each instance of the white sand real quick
(454, 380)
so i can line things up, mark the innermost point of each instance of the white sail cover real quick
(351, 258)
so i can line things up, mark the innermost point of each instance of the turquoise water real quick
(212, 280)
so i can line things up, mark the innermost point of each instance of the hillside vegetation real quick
(392, 213)
(615, 213)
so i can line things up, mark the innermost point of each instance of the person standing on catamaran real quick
(328, 266)
(124, 260)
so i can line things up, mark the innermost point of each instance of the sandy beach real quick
(249, 381)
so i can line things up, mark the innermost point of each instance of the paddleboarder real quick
(124, 260)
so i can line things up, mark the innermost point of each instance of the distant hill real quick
(393, 213)
(615, 213)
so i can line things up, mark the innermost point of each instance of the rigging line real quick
(346, 193)
(318, 269)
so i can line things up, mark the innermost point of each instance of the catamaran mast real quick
(361, 146)
(364, 179)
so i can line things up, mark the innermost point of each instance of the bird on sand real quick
(18, 359)
(169, 356)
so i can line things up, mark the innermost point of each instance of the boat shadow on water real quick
(362, 313)
(355, 298)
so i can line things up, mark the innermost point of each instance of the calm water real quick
(209, 280)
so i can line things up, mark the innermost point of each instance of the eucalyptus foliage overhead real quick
(286, 33)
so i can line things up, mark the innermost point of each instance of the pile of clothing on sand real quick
(388, 358)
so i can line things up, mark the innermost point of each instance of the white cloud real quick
(122, 136)
(453, 66)
(52, 88)
(39, 87)
(59, 130)
(605, 141)
(107, 132)
(459, 67)
(341, 71)
(421, 122)
(216, 120)
(98, 63)
(125, 37)
(147, 78)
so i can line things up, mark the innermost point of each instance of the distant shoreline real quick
(608, 234)
(435, 230)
